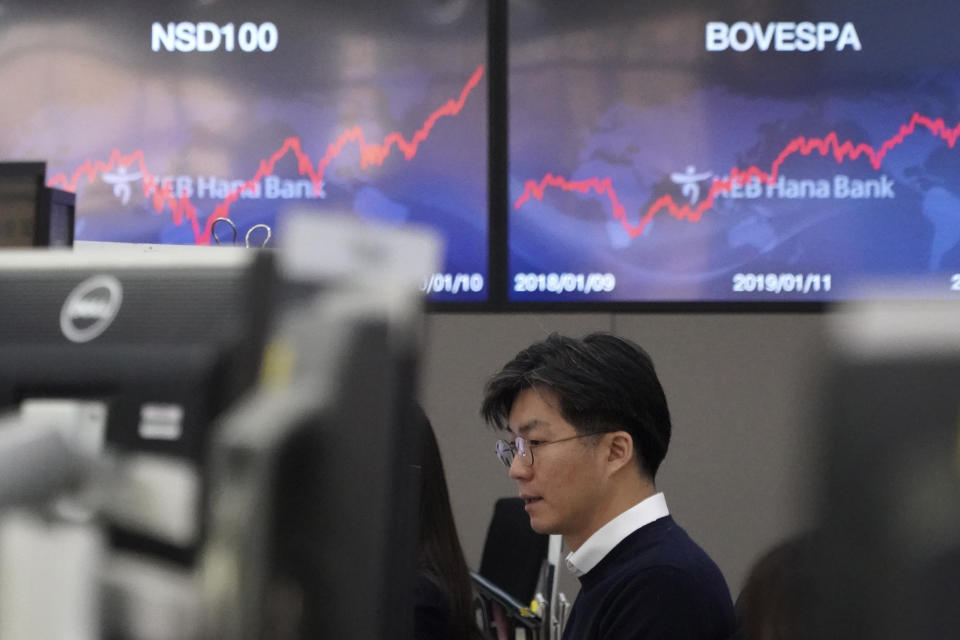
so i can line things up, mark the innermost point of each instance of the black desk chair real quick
(510, 570)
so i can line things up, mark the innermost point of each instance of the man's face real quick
(563, 489)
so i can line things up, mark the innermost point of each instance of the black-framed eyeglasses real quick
(523, 448)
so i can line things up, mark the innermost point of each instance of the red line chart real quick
(182, 208)
(827, 145)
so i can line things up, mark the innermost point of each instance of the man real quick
(589, 426)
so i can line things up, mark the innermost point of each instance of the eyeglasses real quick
(507, 451)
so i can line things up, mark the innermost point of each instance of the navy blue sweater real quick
(657, 583)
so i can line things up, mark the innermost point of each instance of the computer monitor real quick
(315, 519)
(161, 342)
(31, 213)
(279, 405)
(889, 511)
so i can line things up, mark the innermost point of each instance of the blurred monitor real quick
(314, 475)
(32, 214)
(161, 343)
(314, 490)
(890, 498)
(262, 482)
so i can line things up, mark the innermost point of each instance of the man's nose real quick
(520, 469)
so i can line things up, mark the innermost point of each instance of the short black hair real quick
(603, 383)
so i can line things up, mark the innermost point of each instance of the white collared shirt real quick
(611, 534)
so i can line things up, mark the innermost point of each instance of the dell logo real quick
(90, 308)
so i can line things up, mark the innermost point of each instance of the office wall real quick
(741, 472)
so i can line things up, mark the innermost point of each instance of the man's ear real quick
(620, 451)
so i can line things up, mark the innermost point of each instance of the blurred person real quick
(443, 593)
(588, 428)
(780, 595)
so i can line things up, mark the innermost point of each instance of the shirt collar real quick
(612, 533)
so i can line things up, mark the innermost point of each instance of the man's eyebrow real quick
(529, 426)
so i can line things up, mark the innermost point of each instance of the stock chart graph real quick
(164, 119)
(711, 154)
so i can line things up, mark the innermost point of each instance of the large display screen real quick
(732, 151)
(165, 117)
